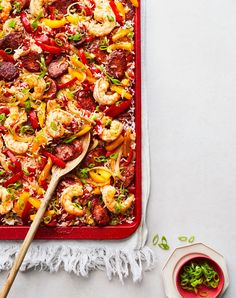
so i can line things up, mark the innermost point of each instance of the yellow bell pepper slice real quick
(20, 204)
(99, 175)
(73, 19)
(39, 140)
(83, 68)
(81, 76)
(45, 172)
(42, 113)
(135, 3)
(34, 202)
(121, 91)
(120, 34)
(120, 8)
(46, 214)
(97, 191)
(127, 46)
(54, 23)
(112, 146)
(84, 130)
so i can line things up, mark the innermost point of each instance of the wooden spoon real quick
(57, 173)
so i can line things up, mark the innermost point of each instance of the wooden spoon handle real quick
(28, 239)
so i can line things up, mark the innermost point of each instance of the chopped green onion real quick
(194, 274)
(2, 118)
(155, 239)
(112, 79)
(27, 106)
(59, 42)
(17, 7)
(2, 173)
(26, 129)
(12, 23)
(104, 44)
(34, 24)
(110, 18)
(114, 156)
(75, 37)
(191, 239)
(8, 50)
(69, 139)
(100, 158)
(183, 238)
(53, 126)
(164, 246)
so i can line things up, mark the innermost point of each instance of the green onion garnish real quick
(197, 273)
(191, 239)
(155, 239)
(183, 238)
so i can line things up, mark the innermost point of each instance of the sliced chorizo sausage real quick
(100, 214)
(85, 101)
(52, 90)
(117, 64)
(62, 5)
(131, 10)
(92, 155)
(68, 152)
(12, 41)
(100, 56)
(58, 67)
(31, 61)
(8, 71)
(128, 173)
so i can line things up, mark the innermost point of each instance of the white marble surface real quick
(191, 67)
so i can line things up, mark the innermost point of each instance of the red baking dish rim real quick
(108, 232)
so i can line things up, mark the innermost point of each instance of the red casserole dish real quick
(107, 232)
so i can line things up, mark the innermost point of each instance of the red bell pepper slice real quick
(57, 161)
(6, 57)
(33, 119)
(67, 84)
(114, 111)
(13, 179)
(130, 157)
(82, 56)
(26, 211)
(25, 22)
(4, 110)
(116, 12)
(15, 161)
(49, 48)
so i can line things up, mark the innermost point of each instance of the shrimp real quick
(108, 197)
(15, 146)
(112, 133)
(68, 194)
(38, 84)
(6, 202)
(104, 19)
(6, 10)
(55, 121)
(16, 116)
(3, 159)
(36, 6)
(100, 88)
